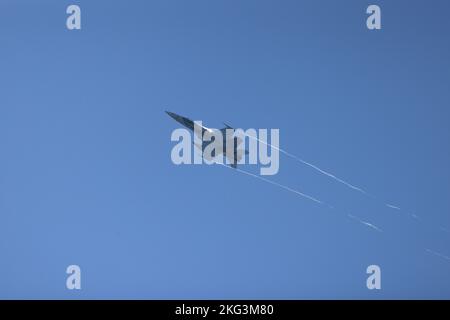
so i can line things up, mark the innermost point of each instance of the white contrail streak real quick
(332, 176)
(392, 206)
(303, 195)
(443, 256)
(275, 184)
(368, 224)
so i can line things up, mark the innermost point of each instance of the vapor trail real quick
(368, 224)
(275, 184)
(443, 256)
(332, 176)
(328, 174)
(392, 206)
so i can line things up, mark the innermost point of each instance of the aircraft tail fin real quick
(227, 126)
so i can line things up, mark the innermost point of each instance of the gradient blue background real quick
(86, 176)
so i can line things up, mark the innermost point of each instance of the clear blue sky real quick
(86, 176)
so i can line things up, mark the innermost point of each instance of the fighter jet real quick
(237, 152)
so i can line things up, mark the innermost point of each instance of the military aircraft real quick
(234, 157)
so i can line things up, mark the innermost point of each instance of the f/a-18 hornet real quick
(234, 156)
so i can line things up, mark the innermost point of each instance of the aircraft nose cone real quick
(173, 115)
(170, 114)
(176, 117)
